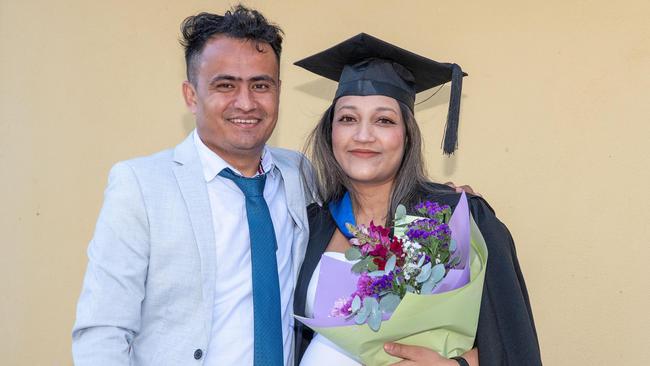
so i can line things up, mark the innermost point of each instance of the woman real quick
(366, 151)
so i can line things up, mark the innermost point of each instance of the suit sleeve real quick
(108, 311)
(506, 334)
(307, 176)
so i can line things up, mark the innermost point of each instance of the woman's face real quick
(368, 138)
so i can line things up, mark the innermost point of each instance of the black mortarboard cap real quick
(366, 65)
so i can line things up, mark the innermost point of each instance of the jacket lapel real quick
(189, 175)
(295, 194)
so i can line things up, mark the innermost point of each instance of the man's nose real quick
(245, 99)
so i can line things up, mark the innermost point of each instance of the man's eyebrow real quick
(224, 77)
(266, 78)
(253, 79)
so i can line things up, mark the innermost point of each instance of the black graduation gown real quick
(506, 334)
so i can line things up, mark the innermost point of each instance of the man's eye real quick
(261, 86)
(225, 86)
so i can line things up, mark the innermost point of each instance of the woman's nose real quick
(364, 132)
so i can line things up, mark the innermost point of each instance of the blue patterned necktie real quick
(266, 290)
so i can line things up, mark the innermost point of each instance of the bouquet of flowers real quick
(422, 285)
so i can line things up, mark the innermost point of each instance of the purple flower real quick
(342, 307)
(430, 209)
(382, 283)
(364, 286)
(422, 229)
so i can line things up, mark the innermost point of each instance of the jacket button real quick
(198, 354)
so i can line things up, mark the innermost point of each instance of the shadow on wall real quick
(321, 88)
(438, 98)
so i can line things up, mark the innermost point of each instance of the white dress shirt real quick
(231, 341)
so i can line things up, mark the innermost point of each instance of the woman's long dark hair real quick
(331, 182)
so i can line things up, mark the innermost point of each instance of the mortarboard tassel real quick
(450, 140)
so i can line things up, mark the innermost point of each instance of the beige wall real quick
(554, 132)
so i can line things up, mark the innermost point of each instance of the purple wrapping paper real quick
(336, 281)
(460, 232)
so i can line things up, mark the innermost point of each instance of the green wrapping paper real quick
(445, 322)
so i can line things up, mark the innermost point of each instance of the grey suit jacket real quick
(148, 291)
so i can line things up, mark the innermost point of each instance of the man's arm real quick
(306, 170)
(108, 312)
(464, 188)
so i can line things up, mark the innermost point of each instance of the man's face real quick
(236, 96)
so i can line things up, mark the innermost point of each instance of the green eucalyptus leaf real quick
(421, 261)
(390, 264)
(437, 273)
(370, 303)
(372, 266)
(384, 293)
(389, 303)
(356, 304)
(410, 288)
(427, 287)
(362, 315)
(361, 265)
(424, 273)
(400, 212)
(352, 254)
(376, 273)
(374, 320)
(452, 245)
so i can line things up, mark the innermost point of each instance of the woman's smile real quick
(364, 153)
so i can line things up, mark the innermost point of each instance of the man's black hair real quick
(238, 22)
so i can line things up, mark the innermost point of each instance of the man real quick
(169, 273)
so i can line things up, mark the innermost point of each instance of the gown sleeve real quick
(506, 334)
(321, 229)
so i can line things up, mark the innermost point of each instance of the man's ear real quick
(189, 94)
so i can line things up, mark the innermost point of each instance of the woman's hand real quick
(416, 355)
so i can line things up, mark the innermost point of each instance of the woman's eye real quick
(386, 121)
(346, 119)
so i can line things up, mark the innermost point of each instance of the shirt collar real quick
(213, 163)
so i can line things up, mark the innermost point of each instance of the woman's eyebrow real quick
(354, 108)
(383, 109)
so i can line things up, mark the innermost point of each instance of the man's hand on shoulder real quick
(464, 188)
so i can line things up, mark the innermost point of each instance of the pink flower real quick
(379, 251)
(380, 262)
